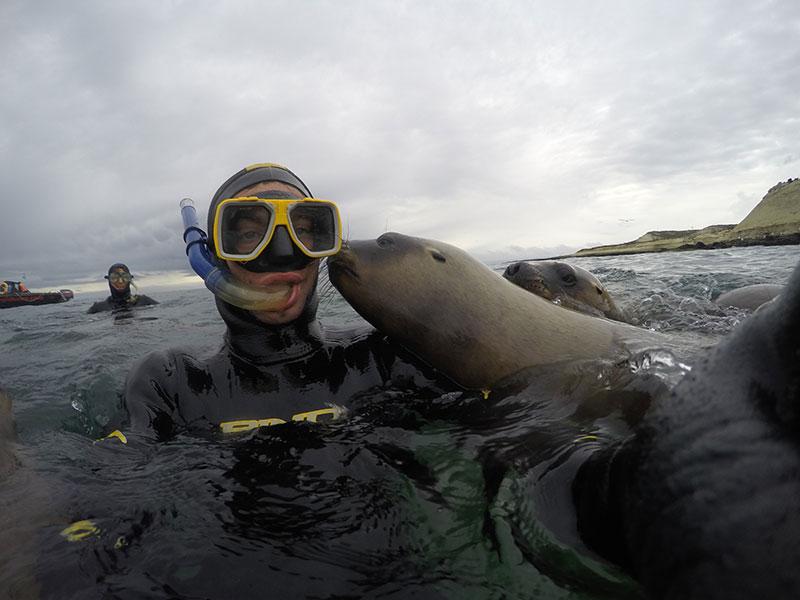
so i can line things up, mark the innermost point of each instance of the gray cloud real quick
(505, 128)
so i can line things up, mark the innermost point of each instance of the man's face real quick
(300, 282)
(119, 279)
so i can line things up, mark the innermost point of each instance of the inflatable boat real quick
(14, 293)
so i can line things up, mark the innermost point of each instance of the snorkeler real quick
(119, 283)
(277, 364)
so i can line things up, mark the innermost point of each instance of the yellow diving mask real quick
(243, 227)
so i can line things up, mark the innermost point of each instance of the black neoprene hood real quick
(247, 177)
(252, 175)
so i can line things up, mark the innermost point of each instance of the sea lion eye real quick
(599, 290)
(438, 256)
(567, 274)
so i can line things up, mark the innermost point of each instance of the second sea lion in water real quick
(749, 297)
(568, 285)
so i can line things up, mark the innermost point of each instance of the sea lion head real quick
(567, 285)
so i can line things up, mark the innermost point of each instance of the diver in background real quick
(267, 235)
(119, 283)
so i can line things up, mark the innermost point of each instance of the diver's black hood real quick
(265, 344)
(247, 177)
(246, 335)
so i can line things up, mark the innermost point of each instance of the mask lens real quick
(315, 227)
(244, 228)
(117, 277)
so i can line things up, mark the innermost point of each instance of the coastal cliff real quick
(774, 221)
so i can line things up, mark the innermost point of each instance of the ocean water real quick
(458, 497)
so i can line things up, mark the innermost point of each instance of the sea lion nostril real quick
(512, 270)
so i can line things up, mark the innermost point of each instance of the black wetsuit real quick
(116, 304)
(265, 375)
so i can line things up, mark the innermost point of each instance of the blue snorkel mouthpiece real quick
(221, 283)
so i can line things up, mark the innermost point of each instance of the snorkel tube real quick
(221, 283)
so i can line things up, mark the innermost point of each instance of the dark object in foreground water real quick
(701, 501)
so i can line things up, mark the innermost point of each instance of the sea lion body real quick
(568, 285)
(461, 317)
(749, 297)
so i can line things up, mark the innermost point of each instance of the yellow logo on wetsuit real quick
(312, 416)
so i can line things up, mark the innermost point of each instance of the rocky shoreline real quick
(774, 221)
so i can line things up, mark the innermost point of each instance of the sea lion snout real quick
(522, 272)
(342, 264)
(528, 277)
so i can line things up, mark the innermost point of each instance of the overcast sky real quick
(513, 129)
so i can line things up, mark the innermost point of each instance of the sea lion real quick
(749, 297)
(702, 499)
(568, 285)
(461, 317)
